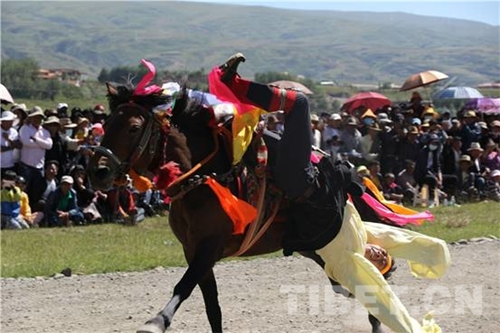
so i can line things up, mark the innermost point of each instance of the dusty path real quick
(254, 298)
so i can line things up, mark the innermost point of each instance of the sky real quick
(481, 11)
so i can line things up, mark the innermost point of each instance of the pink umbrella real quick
(484, 105)
(370, 100)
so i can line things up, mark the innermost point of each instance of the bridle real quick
(151, 131)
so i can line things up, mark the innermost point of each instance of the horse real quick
(137, 140)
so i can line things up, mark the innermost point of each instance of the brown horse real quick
(136, 139)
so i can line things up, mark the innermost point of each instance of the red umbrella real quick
(370, 100)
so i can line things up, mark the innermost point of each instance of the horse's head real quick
(131, 139)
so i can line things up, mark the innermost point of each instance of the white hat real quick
(62, 105)
(8, 116)
(67, 179)
(494, 173)
(170, 88)
(335, 116)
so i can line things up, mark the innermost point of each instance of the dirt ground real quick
(263, 295)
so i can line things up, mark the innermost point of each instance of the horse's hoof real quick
(149, 328)
(230, 67)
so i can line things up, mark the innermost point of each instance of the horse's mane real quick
(125, 94)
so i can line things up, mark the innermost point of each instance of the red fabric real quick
(235, 94)
(240, 212)
(167, 174)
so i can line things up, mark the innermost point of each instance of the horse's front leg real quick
(208, 288)
(202, 262)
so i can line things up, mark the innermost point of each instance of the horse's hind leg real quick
(202, 262)
(208, 288)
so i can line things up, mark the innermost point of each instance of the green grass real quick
(112, 247)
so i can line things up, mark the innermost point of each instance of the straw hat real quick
(66, 123)
(52, 120)
(470, 114)
(475, 146)
(36, 111)
(465, 158)
(8, 116)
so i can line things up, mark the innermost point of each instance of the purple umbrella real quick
(484, 105)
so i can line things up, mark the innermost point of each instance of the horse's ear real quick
(112, 91)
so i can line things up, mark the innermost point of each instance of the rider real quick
(322, 219)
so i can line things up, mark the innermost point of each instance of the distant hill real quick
(345, 47)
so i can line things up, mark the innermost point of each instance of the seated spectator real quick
(62, 208)
(493, 185)
(121, 201)
(391, 190)
(59, 151)
(495, 131)
(350, 136)
(375, 176)
(466, 180)
(10, 198)
(407, 182)
(85, 195)
(491, 158)
(33, 219)
(477, 168)
(333, 145)
(428, 165)
(48, 185)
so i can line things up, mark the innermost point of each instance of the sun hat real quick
(52, 120)
(494, 173)
(495, 123)
(369, 113)
(374, 127)
(8, 116)
(36, 111)
(465, 158)
(66, 122)
(62, 105)
(433, 137)
(21, 107)
(67, 179)
(470, 114)
(482, 124)
(335, 116)
(475, 146)
(83, 120)
(413, 130)
(416, 121)
(352, 121)
(314, 117)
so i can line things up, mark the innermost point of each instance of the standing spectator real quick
(58, 152)
(36, 140)
(316, 133)
(350, 136)
(62, 206)
(410, 145)
(62, 110)
(9, 142)
(428, 165)
(471, 131)
(10, 198)
(333, 127)
(416, 104)
(370, 143)
(390, 141)
(455, 128)
(21, 113)
(98, 114)
(452, 151)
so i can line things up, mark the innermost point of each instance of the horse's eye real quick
(134, 129)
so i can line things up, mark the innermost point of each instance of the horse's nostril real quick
(102, 172)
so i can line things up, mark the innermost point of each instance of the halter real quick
(149, 132)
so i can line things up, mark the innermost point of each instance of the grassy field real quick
(112, 247)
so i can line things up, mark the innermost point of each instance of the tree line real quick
(18, 75)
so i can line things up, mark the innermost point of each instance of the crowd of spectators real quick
(44, 155)
(408, 147)
(401, 148)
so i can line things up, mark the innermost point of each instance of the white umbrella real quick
(5, 95)
(458, 93)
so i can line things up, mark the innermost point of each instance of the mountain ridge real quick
(347, 47)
